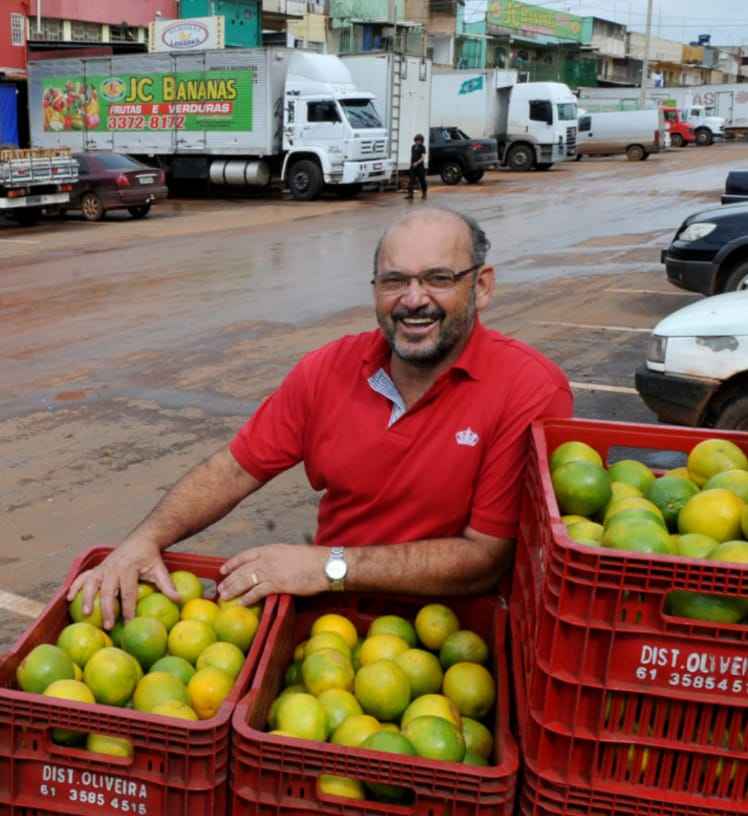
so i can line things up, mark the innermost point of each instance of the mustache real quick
(425, 312)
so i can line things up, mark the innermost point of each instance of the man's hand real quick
(119, 574)
(276, 568)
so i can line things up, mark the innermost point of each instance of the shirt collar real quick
(469, 361)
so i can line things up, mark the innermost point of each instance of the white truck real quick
(709, 125)
(402, 87)
(240, 117)
(534, 123)
(31, 180)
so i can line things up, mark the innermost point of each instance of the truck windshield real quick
(567, 111)
(361, 113)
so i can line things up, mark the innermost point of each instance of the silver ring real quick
(255, 579)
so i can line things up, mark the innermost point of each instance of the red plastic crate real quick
(277, 775)
(598, 616)
(179, 768)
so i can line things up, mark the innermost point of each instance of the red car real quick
(110, 181)
(681, 133)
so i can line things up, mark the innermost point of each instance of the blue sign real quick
(471, 85)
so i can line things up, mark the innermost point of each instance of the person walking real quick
(417, 167)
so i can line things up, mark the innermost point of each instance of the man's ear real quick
(485, 285)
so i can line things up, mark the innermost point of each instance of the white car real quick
(696, 371)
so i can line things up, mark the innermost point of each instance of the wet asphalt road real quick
(131, 350)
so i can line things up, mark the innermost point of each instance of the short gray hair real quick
(479, 243)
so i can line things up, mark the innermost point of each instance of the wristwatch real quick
(336, 568)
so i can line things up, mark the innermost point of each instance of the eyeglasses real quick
(435, 280)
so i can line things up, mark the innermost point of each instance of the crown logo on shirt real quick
(467, 437)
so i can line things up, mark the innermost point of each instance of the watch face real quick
(336, 569)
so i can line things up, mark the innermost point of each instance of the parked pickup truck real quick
(33, 179)
(454, 155)
(736, 187)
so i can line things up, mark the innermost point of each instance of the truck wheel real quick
(91, 207)
(451, 173)
(704, 137)
(734, 416)
(544, 166)
(635, 153)
(305, 180)
(27, 217)
(521, 157)
(474, 176)
(737, 280)
(676, 140)
(139, 212)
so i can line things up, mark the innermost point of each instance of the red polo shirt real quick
(455, 459)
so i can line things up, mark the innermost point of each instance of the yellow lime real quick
(78, 672)
(336, 623)
(144, 590)
(574, 452)
(190, 638)
(354, 730)
(471, 688)
(95, 618)
(434, 624)
(160, 607)
(713, 456)
(80, 641)
(201, 609)
(585, 531)
(187, 585)
(111, 674)
(478, 739)
(735, 481)
(106, 744)
(735, 552)
(224, 656)
(338, 705)
(178, 666)
(383, 690)
(340, 786)
(394, 625)
(159, 687)
(207, 690)
(623, 490)
(631, 472)
(236, 625)
(423, 669)
(714, 513)
(432, 705)
(302, 716)
(435, 738)
(174, 708)
(273, 712)
(299, 651)
(326, 640)
(381, 647)
(463, 646)
(325, 670)
(69, 690)
(145, 639)
(390, 744)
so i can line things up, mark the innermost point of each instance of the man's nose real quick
(415, 295)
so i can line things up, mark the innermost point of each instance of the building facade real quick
(608, 41)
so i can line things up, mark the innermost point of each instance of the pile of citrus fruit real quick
(174, 660)
(697, 511)
(416, 689)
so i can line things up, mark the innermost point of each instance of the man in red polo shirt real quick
(416, 433)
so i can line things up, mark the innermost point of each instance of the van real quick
(635, 133)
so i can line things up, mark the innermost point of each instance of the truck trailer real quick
(534, 123)
(33, 179)
(240, 117)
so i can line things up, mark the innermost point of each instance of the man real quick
(417, 168)
(416, 433)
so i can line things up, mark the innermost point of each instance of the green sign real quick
(199, 100)
(534, 20)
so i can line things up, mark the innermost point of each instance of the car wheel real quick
(737, 280)
(141, 211)
(635, 153)
(676, 140)
(305, 180)
(91, 207)
(521, 157)
(734, 415)
(451, 173)
(544, 166)
(704, 137)
(474, 177)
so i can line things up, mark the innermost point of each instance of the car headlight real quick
(697, 231)
(657, 349)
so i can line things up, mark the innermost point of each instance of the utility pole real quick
(645, 62)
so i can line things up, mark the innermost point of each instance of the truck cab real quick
(332, 133)
(707, 128)
(681, 132)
